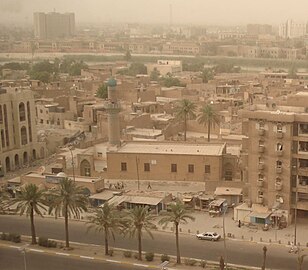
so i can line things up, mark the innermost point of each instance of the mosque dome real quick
(112, 82)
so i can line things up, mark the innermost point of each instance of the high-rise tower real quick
(113, 109)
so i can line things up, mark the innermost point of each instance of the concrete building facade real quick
(18, 136)
(53, 25)
(277, 148)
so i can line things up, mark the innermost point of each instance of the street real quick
(11, 259)
(238, 252)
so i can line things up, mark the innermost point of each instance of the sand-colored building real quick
(18, 136)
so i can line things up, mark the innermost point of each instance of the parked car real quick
(213, 236)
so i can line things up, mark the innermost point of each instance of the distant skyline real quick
(221, 12)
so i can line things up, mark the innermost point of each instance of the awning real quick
(260, 215)
(187, 199)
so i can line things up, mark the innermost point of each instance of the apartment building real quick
(165, 66)
(19, 143)
(292, 29)
(53, 25)
(277, 161)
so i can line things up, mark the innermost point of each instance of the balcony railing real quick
(278, 169)
(278, 186)
(261, 148)
(279, 135)
(261, 166)
(259, 199)
(261, 131)
(260, 183)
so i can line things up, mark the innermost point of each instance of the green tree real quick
(107, 219)
(67, 199)
(169, 81)
(154, 76)
(207, 74)
(184, 111)
(102, 91)
(177, 214)
(76, 67)
(128, 56)
(209, 118)
(30, 200)
(139, 219)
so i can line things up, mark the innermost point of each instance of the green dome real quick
(112, 82)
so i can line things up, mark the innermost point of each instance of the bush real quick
(164, 258)
(203, 264)
(136, 256)
(14, 237)
(127, 254)
(110, 252)
(149, 256)
(4, 236)
(190, 262)
(43, 241)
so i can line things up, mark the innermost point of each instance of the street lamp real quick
(23, 252)
(71, 148)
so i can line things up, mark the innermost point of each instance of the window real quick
(261, 125)
(207, 168)
(174, 168)
(123, 166)
(146, 167)
(260, 193)
(99, 154)
(279, 147)
(191, 168)
(279, 164)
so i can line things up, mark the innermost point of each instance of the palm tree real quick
(67, 199)
(138, 219)
(208, 117)
(177, 215)
(30, 200)
(185, 110)
(4, 199)
(106, 220)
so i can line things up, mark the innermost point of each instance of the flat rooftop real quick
(173, 149)
(83, 179)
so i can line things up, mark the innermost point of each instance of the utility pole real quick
(295, 216)
(224, 234)
(137, 167)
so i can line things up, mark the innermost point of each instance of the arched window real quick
(85, 168)
(7, 164)
(22, 112)
(16, 159)
(26, 158)
(23, 135)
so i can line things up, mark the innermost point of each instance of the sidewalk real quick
(204, 222)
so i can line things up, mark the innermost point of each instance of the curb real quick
(38, 249)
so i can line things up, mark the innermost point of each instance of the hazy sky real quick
(157, 11)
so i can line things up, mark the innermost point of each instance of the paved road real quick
(239, 252)
(11, 259)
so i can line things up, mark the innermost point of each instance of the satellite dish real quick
(41, 169)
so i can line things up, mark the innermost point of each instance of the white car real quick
(213, 236)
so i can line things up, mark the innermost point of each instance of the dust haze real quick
(158, 11)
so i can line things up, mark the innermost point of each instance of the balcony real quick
(279, 135)
(261, 166)
(278, 186)
(278, 169)
(261, 148)
(260, 183)
(259, 200)
(303, 171)
(279, 153)
(261, 131)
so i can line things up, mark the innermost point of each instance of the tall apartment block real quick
(277, 156)
(292, 29)
(53, 25)
(18, 138)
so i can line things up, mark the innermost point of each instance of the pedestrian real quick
(239, 223)
(149, 186)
